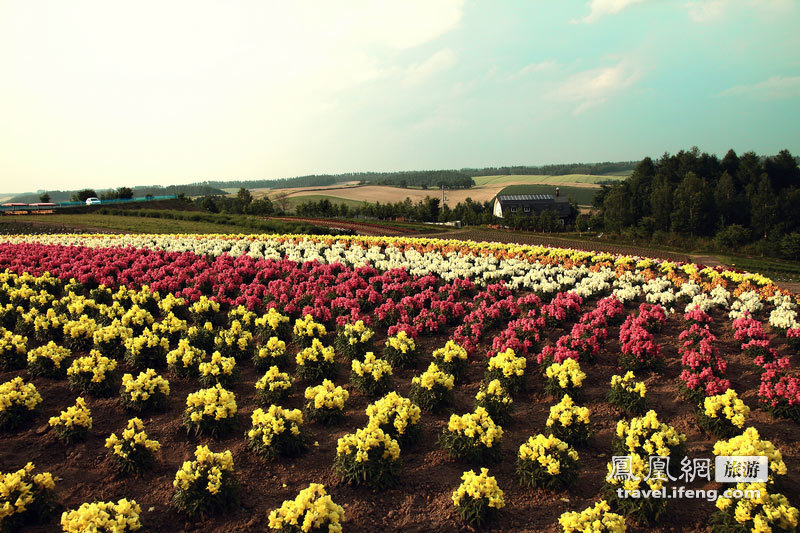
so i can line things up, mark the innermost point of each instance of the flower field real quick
(312, 383)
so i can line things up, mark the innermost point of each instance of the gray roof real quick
(524, 197)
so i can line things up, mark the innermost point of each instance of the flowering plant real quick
(325, 402)
(569, 422)
(79, 334)
(398, 417)
(779, 392)
(25, 497)
(755, 510)
(211, 411)
(137, 319)
(354, 340)
(119, 517)
(18, 402)
(133, 452)
(564, 378)
(646, 436)
(184, 360)
(597, 519)
(496, 400)
(92, 374)
(276, 431)
(111, 339)
(74, 423)
(644, 510)
(272, 353)
(201, 337)
(477, 497)
(273, 386)
(316, 361)
(433, 389)
(401, 350)
(306, 330)
(373, 376)
(272, 324)
(148, 350)
(207, 484)
(48, 361)
(235, 342)
(547, 462)
(724, 414)
(451, 358)
(628, 394)
(203, 310)
(508, 369)
(750, 443)
(12, 350)
(368, 456)
(473, 437)
(312, 511)
(218, 370)
(147, 392)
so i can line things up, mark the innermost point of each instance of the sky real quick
(108, 93)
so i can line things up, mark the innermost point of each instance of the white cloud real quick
(537, 67)
(700, 11)
(600, 8)
(775, 88)
(593, 87)
(441, 60)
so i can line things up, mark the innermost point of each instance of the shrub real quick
(74, 423)
(508, 369)
(25, 497)
(472, 437)
(373, 376)
(497, 402)
(273, 387)
(569, 422)
(13, 350)
(312, 511)
(627, 394)
(147, 392)
(354, 340)
(564, 378)
(369, 456)
(148, 350)
(185, 359)
(401, 350)
(316, 362)
(18, 403)
(245, 317)
(119, 517)
(325, 403)
(272, 324)
(207, 484)
(277, 432)
(398, 417)
(306, 330)
(433, 389)
(48, 361)
(478, 497)
(210, 411)
(133, 452)
(547, 462)
(273, 353)
(219, 370)
(92, 374)
(452, 359)
(598, 519)
(724, 414)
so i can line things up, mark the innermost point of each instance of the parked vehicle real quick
(92, 201)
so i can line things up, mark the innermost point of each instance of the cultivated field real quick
(572, 180)
(515, 332)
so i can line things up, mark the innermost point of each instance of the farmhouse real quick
(528, 204)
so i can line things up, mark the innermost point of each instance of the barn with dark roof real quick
(529, 204)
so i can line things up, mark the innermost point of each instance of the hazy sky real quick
(107, 93)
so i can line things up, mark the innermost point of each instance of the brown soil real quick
(421, 501)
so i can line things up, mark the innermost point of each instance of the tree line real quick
(748, 202)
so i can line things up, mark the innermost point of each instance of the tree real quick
(692, 206)
(616, 209)
(762, 206)
(44, 198)
(725, 198)
(244, 197)
(261, 207)
(125, 193)
(209, 204)
(83, 194)
(782, 170)
(661, 201)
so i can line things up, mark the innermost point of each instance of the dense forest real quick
(598, 169)
(746, 202)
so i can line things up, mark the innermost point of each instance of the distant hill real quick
(138, 192)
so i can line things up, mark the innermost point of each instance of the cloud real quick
(701, 11)
(593, 87)
(600, 8)
(775, 88)
(536, 67)
(441, 60)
